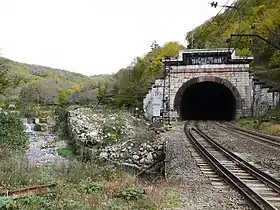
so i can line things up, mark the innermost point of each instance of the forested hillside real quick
(44, 85)
(263, 14)
(133, 82)
(37, 84)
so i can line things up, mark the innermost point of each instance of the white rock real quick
(93, 133)
(142, 160)
(149, 158)
(135, 157)
(103, 155)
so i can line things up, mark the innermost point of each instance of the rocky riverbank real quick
(42, 148)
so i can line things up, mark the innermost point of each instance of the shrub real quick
(89, 187)
(66, 152)
(132, 194)
(12, 132)
(6, 203)
(61, 122)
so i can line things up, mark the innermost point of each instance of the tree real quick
(62, 97)
(265, 15)
(102, 92)
(4, 77)
(134, 81)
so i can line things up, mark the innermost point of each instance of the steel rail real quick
(272, 140)
(255, 198)
(27, 191)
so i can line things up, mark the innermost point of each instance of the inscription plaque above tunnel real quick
(202, 84)
(204, 58)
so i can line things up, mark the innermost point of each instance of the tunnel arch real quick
(200, 81)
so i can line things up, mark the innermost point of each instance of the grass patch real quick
(79, 186)
(66, 152)
(272, 75)
(268, 124)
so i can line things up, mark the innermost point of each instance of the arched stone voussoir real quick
(228, 84)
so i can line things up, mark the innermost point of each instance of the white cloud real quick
(94, 36)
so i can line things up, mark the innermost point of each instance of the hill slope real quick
(35, 83)
(265, 14)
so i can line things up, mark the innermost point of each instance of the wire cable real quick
(227, 21)
(209, 23)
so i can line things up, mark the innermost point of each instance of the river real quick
(42, 146)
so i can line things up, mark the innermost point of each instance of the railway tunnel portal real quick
(207, 98)
(207, 84)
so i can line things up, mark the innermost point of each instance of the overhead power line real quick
(234, 12)
(214, 3)
(258, 36)
(241, 32)
(231, 15)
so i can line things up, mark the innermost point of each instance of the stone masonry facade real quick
(251, 99)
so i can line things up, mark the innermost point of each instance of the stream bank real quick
(42, 146)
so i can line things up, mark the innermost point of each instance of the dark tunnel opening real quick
(208, 101)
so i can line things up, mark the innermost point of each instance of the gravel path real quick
(194, 188)
(42, 146)
(261, 155)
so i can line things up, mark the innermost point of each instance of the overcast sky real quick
(94, 36)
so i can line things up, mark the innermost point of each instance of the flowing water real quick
(28, 127)
(42, 146)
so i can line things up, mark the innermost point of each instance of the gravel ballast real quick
(258, 154)
(194, 188)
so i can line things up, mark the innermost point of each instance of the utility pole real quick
(166, 82)
(163, 92)
(169, 95)
(192, 41)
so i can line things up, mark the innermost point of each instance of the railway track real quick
(260, 189)
(28, 191)
(267, 139)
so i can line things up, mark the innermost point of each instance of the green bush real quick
(61, 123)
(66, 152)
(6, 203)
(90, 187)
(12, 133)
(132, 194)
